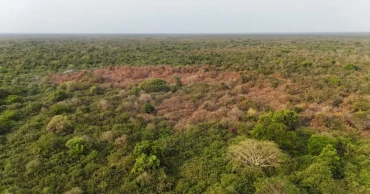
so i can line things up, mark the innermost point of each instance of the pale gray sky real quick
(183, 16)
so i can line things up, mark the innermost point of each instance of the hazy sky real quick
(183, 16)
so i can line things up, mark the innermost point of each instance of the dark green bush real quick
(351, 67)
(135, 91)
(13, 99)
(306, 64)
(48, 144)
(154, 85)
(178, 82)
(332, 61)
(33, 108)
(59, 95)
(148, 108)
(177, 85)
(3, 93)
(58, 109)
(7, 121)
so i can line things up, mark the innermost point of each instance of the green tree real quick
(154, 85)
(145, 162)
(278, 127)
(146, 158)
(276, 185)
(318, 177)
(77, 146)
(317, 143)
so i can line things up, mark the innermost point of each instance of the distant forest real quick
(266, 114)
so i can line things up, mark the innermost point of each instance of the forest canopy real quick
(185, 114)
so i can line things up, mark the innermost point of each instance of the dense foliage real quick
(88, 136)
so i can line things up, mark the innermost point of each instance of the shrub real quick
(154, 85)
(90, 77)
(77, 146)
(13, 99)
(235, 114)
(177, 85)
(361, 104)
(49, 144)
(146, 158)
(121, 141)
(306, 64)
(337, 101)
(351, 67)
(144, 97)
(72, 86)
(360, 120)
(59, 95)
(3, 93)
(7, 121)
(251, 114)
(104, 104)
(58, 109)
(143, 147)
(59, 124)
(33, 108)
(144, 163)
(332, 61)
(135, 91)
(9, 115)
(107, 136)
(333, 80)
(178, 82)
(367, 77)
(33, 165)
(148, 108)
(245, 78)
(93, 90)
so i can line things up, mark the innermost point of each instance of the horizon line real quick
(206, 33)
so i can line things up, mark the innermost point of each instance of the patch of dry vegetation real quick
(209, 95)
